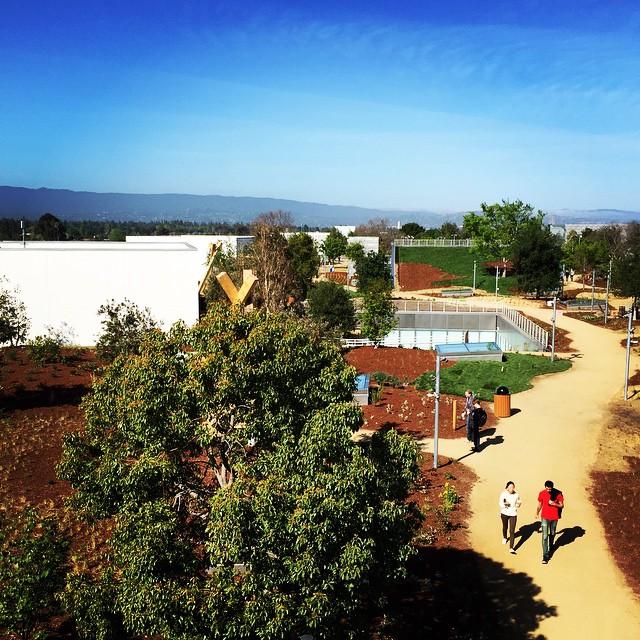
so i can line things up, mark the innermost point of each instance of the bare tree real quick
(269, 259)
(379, 227)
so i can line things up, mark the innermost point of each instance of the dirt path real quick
(553, 434)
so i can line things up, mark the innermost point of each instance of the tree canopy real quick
(334, 245)
(536, 254)
(304, 261)
(495, 229)
(330, 303)
(371, 268)
(308, 524)
(378, 312)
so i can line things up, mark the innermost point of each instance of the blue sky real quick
(417, 105)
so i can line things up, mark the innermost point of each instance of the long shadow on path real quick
(452, 594)
(567, 536)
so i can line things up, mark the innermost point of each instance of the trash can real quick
(502, 403)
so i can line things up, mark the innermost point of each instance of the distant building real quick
(62, 284)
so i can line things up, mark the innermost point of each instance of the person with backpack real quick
(550, 505)
(468, 413)
(478, 420)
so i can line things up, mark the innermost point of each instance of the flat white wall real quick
(66, 282)
(201, 242)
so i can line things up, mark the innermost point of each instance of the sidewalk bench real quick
(457, 293)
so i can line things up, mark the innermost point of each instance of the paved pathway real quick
(553, 434)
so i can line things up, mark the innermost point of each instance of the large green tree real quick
(48, 227)
(331, 304)
(625, 272)
(378, 315)
(242, 508)
(334, 245)
(304, 260)
(495, 229)
(536, 254)
(372, 268)
(585, 253)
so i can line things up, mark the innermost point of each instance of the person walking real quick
(478, 420)
(509, 502)
(550, 505)
(468, 413)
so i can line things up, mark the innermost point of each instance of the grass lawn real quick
(483, 377)
(459, 262)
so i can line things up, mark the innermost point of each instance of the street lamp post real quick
(469, 349)
(606, 299)
(626, 367)
(497, 274)
(436, 419)
(474, 277)
(553, 330)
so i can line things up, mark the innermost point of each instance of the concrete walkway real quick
(552, 434)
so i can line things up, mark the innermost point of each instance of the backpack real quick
(481, 417)
(554, 494)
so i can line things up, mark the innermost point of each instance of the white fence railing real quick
(433, 242)
(447, 306)
(526, 326)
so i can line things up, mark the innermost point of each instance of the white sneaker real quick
(504, 541)
(512, 550)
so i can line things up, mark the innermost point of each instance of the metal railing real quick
(515, 317)
(433, 242)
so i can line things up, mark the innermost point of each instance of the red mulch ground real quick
(415, 277)
(440, 598)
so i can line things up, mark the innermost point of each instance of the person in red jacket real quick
(550, 505)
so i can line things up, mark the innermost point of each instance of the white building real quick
(233, 244)
(64, 283)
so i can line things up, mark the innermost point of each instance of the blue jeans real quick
(548, 531)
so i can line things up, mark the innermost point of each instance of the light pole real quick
(448, 350)
(497, 273)
(436, 418)
(553, 330)
(474, 277)
(606, 300)
(626, 367)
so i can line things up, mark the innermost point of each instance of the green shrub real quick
(14, 323)
(33, 556)
(124, 328)
(44, 350)
(382, 378)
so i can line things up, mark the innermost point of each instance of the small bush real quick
(450, 496)
(14, 323)
(382, 378)
(44, 350)
(124, 329)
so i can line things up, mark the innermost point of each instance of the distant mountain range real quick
(20, 202)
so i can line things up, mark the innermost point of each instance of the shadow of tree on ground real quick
(461, 595)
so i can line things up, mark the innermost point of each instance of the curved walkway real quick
(552, 434)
